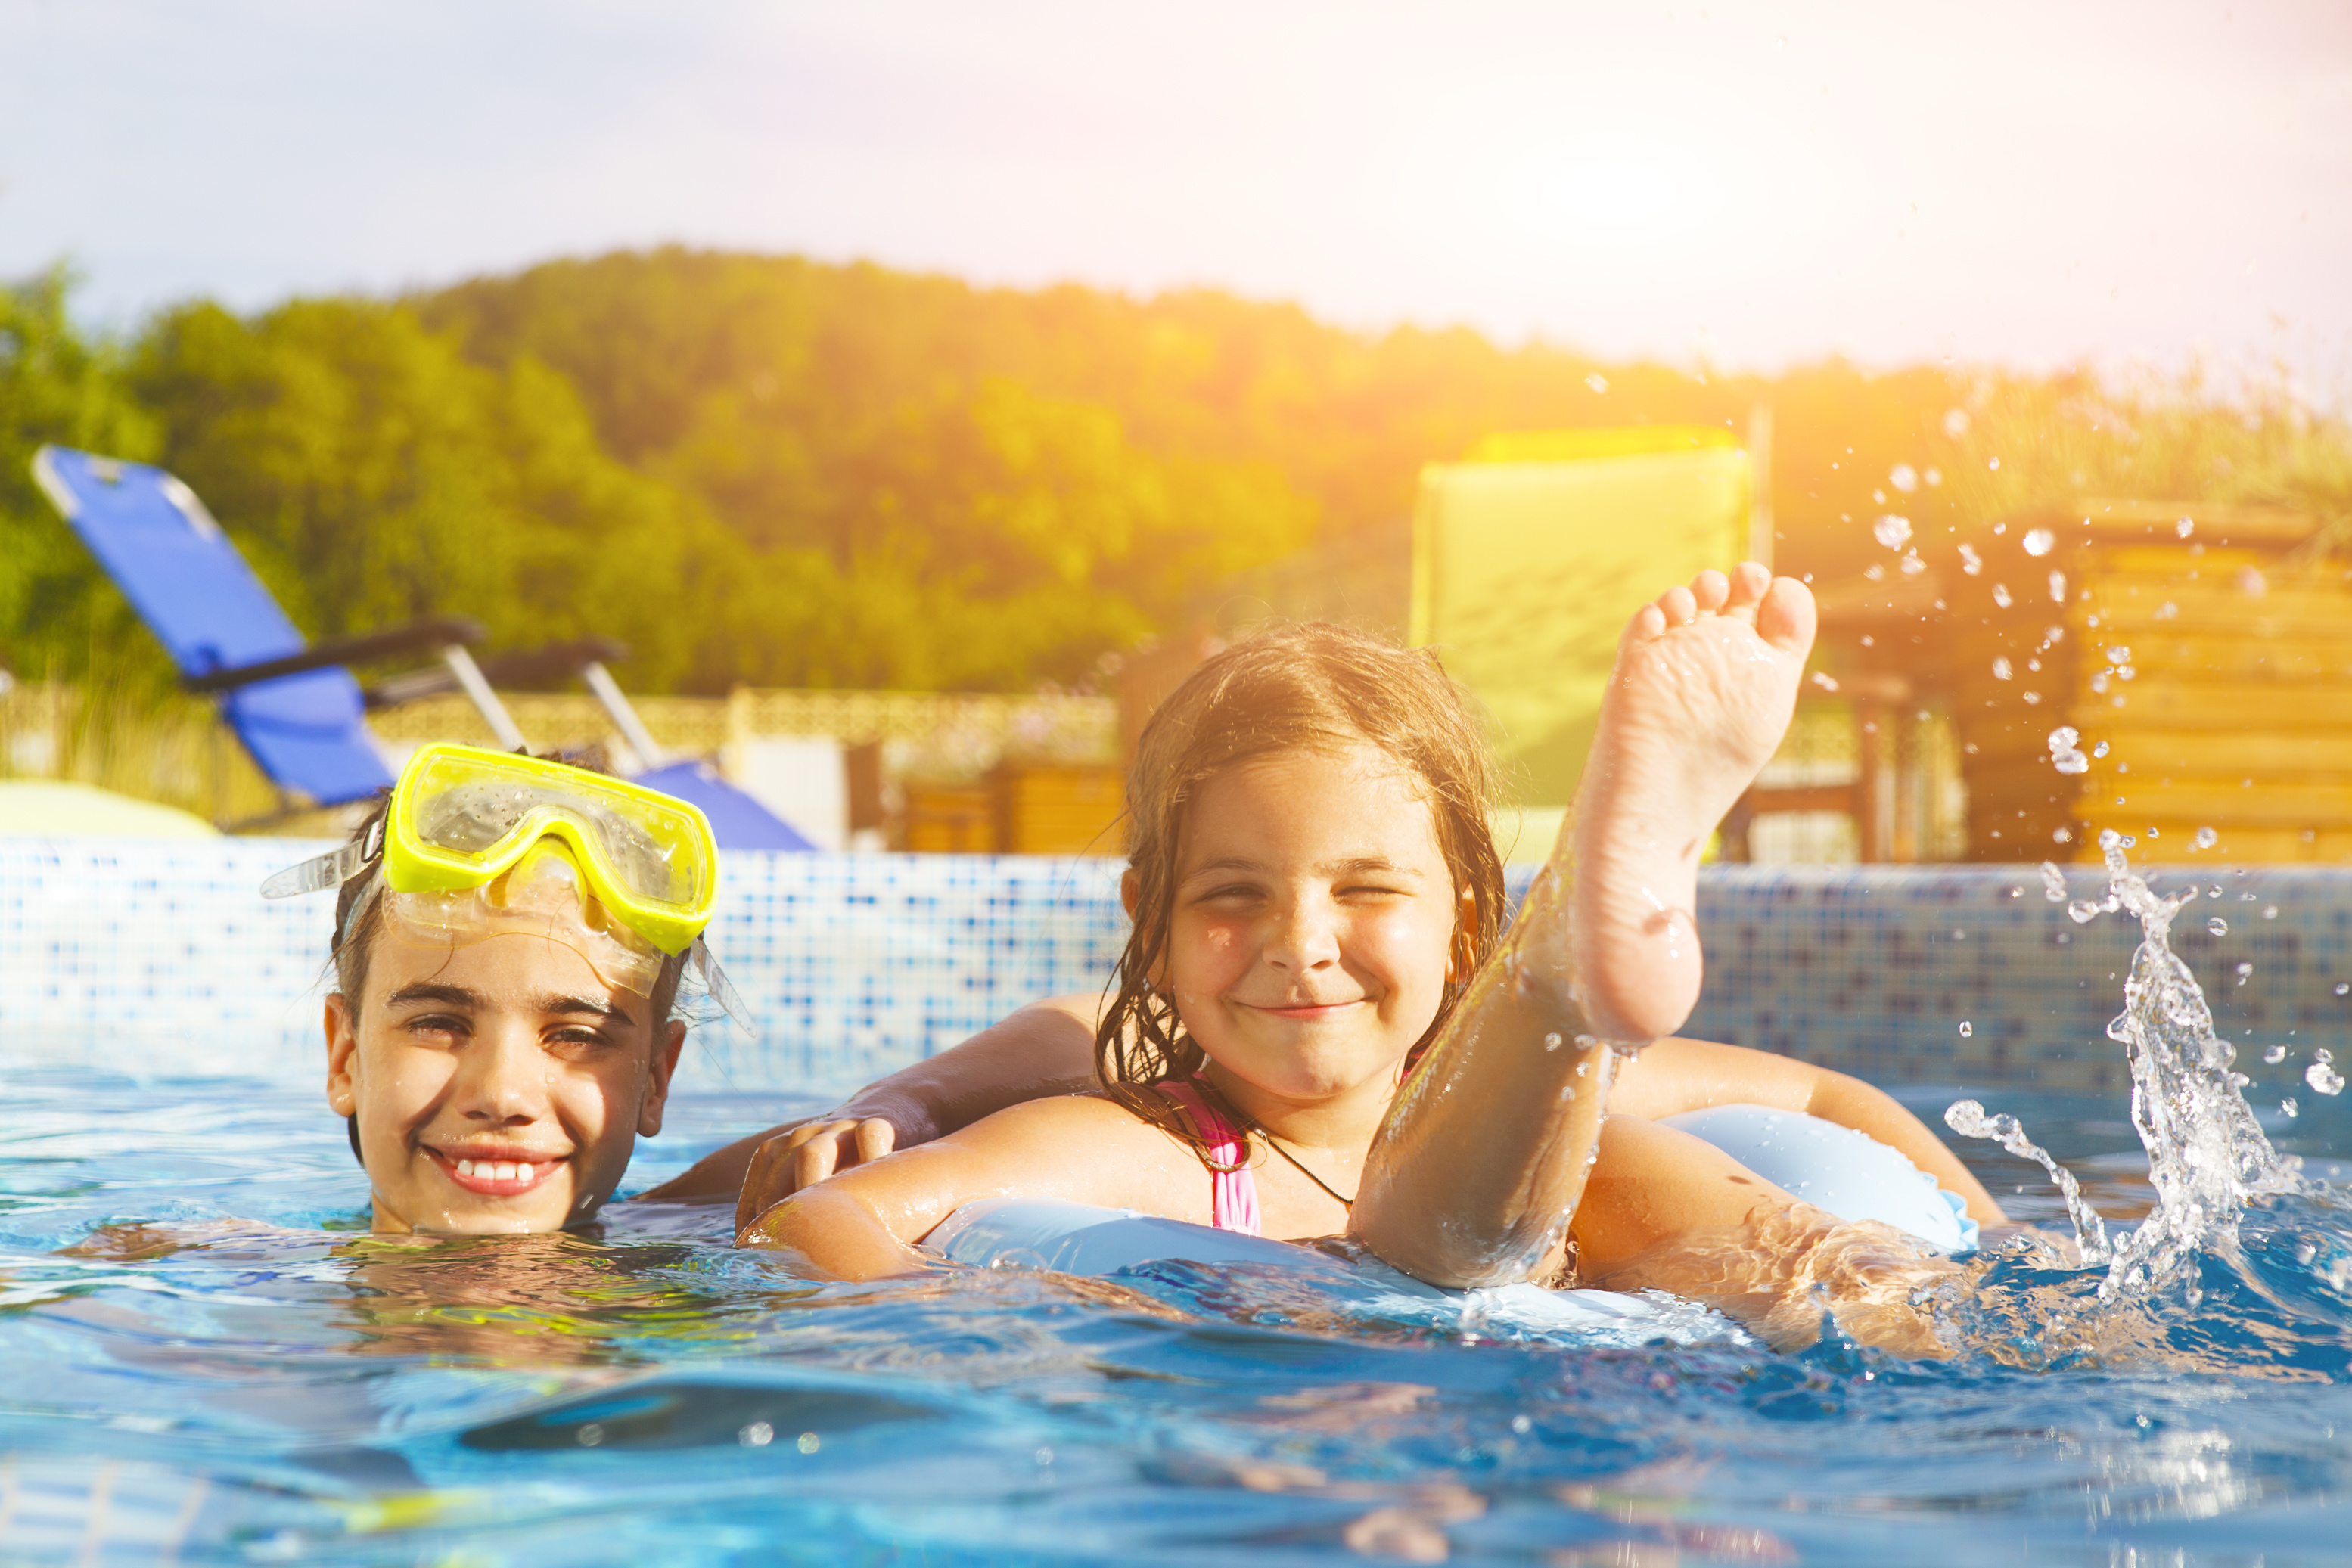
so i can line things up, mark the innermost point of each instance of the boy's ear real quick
(657, 1077)
(1130, 889)
(342, 1047)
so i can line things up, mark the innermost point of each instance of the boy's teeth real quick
(505, 1171)
(465, 1167)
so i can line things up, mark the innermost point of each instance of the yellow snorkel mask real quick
(475, 843)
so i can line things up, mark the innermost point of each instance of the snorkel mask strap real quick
(714, 984)
(322, 873)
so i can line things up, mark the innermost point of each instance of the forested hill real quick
(772, 470)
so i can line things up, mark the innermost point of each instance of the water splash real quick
(2207, 1153)
(1967, 1118)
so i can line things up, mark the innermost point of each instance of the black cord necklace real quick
(1245, 1120)
(1273, 1143)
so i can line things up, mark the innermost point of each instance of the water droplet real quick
(1552, 1042)
(2000, 595)
(2251, 582)
(2323, 1079)
(1934, 476)
(758, 1434)
(1596, 382)
(808, 1443)
(1911, 565)
(1971, 562)
(2344, 987)
(1903, 478)
(2063, 756)
(2032, 698)
(2058, 586)
(1955, 422)
(1876, 571)
(2289, 1109)
(2053, 883)
(1824, 680)
(1892, 531)
(2082, 911)
(2270, 912)
(2039, 541)
(2000, 667)
(2185, 527)
(1995, 465)
(2207, 838)
(2244, 969)
(1966, 1028)
(2274, 1055)
(2217, 926)
(2167, 611)
(2119, 655)
(2305, 1252)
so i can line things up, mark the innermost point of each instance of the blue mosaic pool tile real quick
(162, 959)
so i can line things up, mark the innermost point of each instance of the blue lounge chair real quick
(296, 708)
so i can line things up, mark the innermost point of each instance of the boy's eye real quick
(576, 1041)
(437, 1023)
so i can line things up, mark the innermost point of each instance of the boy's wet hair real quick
(1315, 687)
(356, 928)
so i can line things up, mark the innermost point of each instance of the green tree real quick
(372, 474)
(57, 613)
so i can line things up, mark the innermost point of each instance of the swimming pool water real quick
(204, 1358)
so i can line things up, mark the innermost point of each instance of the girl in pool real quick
(1314, 890)
(511, 934)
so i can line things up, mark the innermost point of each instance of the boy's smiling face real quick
(499, 1086)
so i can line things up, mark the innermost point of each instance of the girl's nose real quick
(1305, 936)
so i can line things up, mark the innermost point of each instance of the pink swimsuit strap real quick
(1233, 1194)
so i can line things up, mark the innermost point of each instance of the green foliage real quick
(770, 470)
(56, 609)
(372, 474)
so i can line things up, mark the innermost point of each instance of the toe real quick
(1785, 618)
(1749, 581)
(1679, 606)
(1711, 591)
(1649, 623)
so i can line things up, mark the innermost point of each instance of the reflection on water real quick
(201, 1357)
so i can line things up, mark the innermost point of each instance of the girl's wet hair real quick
(358, 919)
(1312, 687)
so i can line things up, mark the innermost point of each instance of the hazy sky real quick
(1749, 184)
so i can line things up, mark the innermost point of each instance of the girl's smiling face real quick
(1313, 916)
(499, 1086)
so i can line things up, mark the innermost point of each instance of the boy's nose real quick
(502, 1076)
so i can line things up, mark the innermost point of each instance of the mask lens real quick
(648, 850)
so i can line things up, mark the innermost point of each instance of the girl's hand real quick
(801, 1156)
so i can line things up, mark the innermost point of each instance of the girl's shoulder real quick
(1093, 1115)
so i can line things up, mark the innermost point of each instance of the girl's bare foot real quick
(1704, 684)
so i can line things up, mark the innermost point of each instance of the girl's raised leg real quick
(1478, 1170)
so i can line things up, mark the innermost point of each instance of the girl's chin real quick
(1317, 1082)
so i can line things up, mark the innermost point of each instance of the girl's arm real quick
(1045, 1048)
(1674, 1076)
(863, 1224)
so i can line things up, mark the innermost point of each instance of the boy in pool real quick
(511, 934)
(1315, 897)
